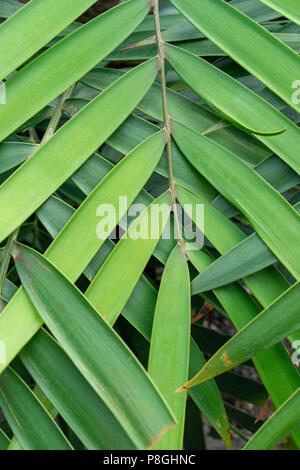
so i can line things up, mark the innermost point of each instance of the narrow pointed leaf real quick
(190, 68)
(208, 399)
(63, 64)
(233, 101)
(14, 153)
(188, 112)
(247, 257)
(126, 180)
(224, 170)
(30, 29)
(9, 7)
(288, 8)
(170, 343)
(139, 312)
(265, 285)
(32, 425)
(72, 396)
(278, 427)
(73, 262)
(58, 158)
(124, 266)
(262, 332)
(85, 336)
(257, 50)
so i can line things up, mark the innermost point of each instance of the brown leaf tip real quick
(16, 251)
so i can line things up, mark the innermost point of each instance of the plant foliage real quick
(127, 342)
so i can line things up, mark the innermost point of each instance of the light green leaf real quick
(233, 102)
(170, 343)
(63, 64)
(247, 257)
(266, 285)
(257, 50)
(30, 29)
(187, 112)
(125, 264)
(218, 89)
(288, 8)
(60, 156)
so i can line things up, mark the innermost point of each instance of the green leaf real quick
(279, 426)
(30, 29)
(190, 67)
(63, 64)
(188, 112)
(208, 398)
(232, 101)
(60, 156)
(31, 423)
(247, 257)
(118, 379)
(193, 431)
(9, 7)
(275, 172)
(14, 153)
(288, 8)
(126, 179)
(170, 343)
(64, 258)
(257, 50)
(4, 441)
(266, 286)
(259, 334)
(140, 307)
(132, 398)
(225, 171)
(72, 396)
(125, 264)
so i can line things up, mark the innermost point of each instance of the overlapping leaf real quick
(132, 398)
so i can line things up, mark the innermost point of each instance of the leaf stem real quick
(55, 118)
(6, 258)
(48, 133)
(167, 121)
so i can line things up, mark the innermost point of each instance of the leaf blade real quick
(265, 54)
(32, 425)
(31, 29)
(169, 347)
(259, 334)
(131, 405)
(60, 156)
